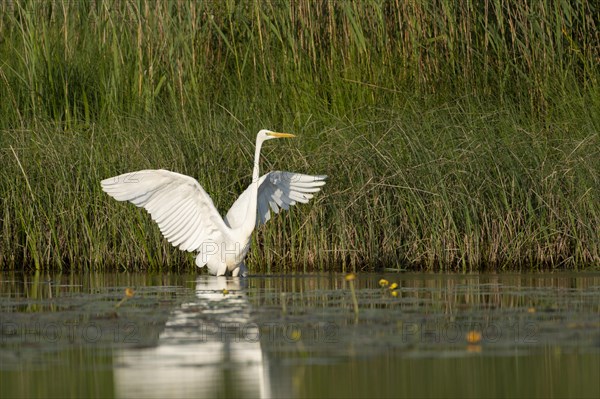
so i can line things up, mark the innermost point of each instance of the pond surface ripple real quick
(188, 335)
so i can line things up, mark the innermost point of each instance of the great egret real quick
(189, 220)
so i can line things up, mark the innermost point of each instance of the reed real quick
(457, 135)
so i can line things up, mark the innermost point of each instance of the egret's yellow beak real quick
(280, 135)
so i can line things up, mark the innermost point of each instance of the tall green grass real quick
(457, 135)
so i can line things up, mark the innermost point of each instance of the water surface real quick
(482, 335)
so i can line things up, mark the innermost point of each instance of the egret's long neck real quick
(255, 170)
(250, 220)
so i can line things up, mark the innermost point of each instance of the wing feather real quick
(184, 226)
(277, 190)
(169, 220)
(171, 226)
(179, 205)
(171, 209)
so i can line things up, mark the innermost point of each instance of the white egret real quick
(189, 220)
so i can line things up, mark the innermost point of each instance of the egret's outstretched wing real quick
(277, 190)
(184, 212)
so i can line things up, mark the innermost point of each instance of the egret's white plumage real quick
(276, 190)
(189, 220)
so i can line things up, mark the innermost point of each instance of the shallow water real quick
(492, 335)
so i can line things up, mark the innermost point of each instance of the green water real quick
(298, 336)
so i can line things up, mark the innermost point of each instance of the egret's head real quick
(265, 134)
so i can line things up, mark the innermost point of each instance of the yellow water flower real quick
(129, 293)
(295, 335)
(473, 337)
(383, 283)
(394, 293)
(393, 286)
(350, 279)
(225, 292)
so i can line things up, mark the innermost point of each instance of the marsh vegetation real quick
(456, 134)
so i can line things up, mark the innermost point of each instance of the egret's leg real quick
(241, 270)
(222, 270)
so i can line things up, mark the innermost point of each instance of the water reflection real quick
(209, 347)
(295, 336)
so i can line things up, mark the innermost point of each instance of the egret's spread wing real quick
(276, 190)
(280, 190)
(184, 212)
